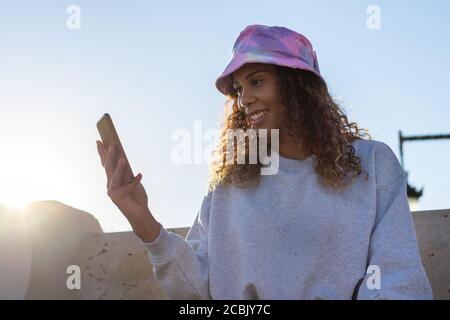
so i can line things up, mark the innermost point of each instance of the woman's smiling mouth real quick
(257, 116)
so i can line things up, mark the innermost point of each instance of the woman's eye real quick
(253, 82)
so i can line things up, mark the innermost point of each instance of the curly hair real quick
(310, 114)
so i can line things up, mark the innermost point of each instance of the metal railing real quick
(412, 191)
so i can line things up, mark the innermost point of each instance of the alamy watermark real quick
(74, 280)
(190, 148)
(374, 280)
(374, 20)
(73, 21)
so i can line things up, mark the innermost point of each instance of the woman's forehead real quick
(249, 69)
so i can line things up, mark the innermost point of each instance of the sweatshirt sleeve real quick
(393, 248)
(181, 265)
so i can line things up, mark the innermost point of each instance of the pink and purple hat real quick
(272, 45)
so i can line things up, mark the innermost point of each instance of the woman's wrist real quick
(148, 231)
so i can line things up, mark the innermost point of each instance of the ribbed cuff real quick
(164, 246)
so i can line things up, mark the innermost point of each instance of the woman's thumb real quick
(132, 185)
(136, 181)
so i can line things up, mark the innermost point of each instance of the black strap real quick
(355, 292)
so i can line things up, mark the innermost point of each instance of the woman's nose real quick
(246, 98)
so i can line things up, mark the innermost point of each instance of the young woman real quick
(332, 223)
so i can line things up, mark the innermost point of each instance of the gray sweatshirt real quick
(293, 238)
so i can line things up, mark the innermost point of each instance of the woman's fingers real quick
(118, 194)
(101, 152)
(110, 162)
(116, 179)
(130, 186)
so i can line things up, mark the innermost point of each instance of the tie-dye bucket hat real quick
(272, 45)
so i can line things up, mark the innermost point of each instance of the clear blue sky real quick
(152, 66)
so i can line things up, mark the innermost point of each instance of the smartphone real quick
(109, 136)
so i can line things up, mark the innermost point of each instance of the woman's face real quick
(256, 85)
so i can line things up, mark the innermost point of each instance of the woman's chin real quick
(260, 125)
(263, 125)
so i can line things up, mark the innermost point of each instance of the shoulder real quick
(372, 147)
(378, 150)
(378, 157)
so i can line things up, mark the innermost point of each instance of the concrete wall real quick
(36, 246)
(116, 265)
(433, 235)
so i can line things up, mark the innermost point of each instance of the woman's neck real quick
(292, 148)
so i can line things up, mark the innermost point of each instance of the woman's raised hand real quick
(130, 197)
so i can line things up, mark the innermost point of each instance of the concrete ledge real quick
(117, 266)
(38, 245)
(433, 235)
(129, 263)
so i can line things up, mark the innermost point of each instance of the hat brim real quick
(224, 81)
